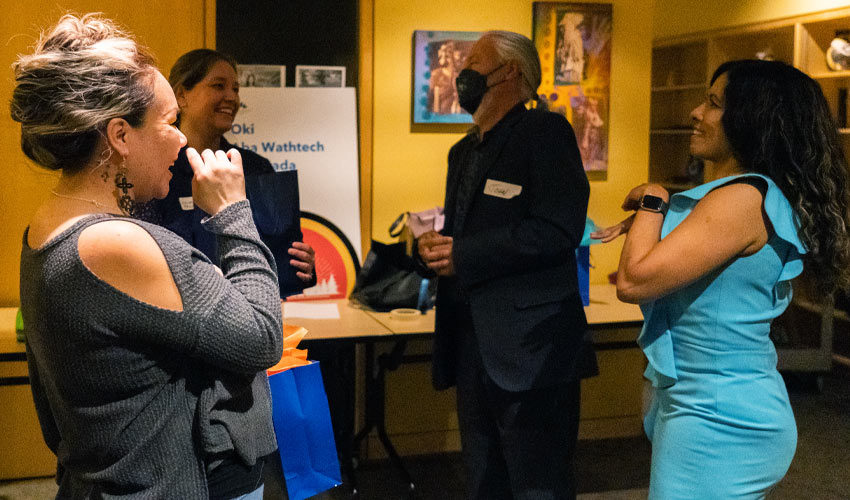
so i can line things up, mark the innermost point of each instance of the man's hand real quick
(436, 252)
(303, 260)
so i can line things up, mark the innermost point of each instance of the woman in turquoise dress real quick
(711, 268)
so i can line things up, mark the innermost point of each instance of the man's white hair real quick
(512, 46)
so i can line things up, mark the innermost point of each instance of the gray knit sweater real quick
(134, 399)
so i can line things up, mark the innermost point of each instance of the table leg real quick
(376, 403)
(338, 373)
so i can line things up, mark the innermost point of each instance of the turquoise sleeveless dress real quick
(720, 421)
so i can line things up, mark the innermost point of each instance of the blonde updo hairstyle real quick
(83, 73)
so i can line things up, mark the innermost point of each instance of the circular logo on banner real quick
(336, 261)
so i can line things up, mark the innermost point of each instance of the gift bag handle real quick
(397, 226)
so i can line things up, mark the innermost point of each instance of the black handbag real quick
(389, 279)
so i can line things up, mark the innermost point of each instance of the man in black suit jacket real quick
(510, 327)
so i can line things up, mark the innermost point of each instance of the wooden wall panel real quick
(168, 28)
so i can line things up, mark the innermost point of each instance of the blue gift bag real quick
(583, 261)
(305, 437)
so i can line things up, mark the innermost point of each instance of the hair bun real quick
(77, 33)
(82, 73)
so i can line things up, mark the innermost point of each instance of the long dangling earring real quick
(125, 201)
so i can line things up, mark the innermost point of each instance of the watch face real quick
(652, 203)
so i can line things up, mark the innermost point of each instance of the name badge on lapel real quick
(186, 203)
(501, 189)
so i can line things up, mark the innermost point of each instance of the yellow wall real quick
(677, 17)
(409, 168)
(168, 28)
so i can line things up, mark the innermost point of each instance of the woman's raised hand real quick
(611, 233)
(631, 202)
(218, 180)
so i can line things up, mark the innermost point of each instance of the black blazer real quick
(515, 256)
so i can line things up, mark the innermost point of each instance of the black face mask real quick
(471, 87)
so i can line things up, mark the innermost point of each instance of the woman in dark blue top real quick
(207, 89)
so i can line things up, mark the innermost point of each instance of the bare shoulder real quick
(736, 199)
(118, 242)
(126, 256)
(735, 210)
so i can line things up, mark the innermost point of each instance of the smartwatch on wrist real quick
(653, 204)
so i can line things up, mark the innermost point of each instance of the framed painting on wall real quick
(438, 57)
(261, 75)
(319, 76)
(574, 43)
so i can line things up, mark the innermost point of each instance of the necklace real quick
(93, 202)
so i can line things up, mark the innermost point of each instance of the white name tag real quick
(501, 189)
(186, 203)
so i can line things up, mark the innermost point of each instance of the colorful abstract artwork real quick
(438, 57)
(574, 43)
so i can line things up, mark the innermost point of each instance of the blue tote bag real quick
(583, 261)
(305, 437)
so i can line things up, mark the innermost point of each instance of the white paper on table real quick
(310, 311)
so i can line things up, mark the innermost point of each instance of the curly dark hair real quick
(778, 124)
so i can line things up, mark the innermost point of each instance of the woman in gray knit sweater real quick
(146, 360)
